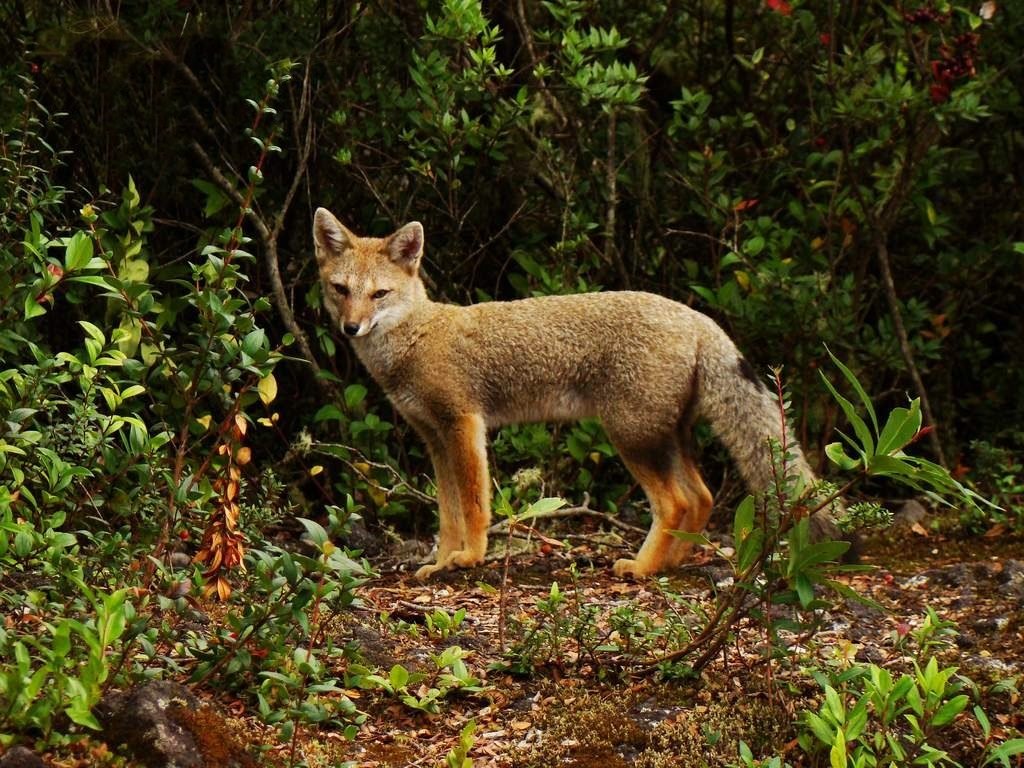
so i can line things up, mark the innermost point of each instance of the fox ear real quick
(406, 246)
(329, 234)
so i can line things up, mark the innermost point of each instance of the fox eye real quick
(380, 294)
(341, 288)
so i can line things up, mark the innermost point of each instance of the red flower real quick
(939, 93)
(825, 38)
(780, 6)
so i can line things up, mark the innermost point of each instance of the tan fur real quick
(645, 365)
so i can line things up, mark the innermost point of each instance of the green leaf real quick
(948, 711)
(804, 589)
(132, 391)
(881, 464)
(134, 271)
(32, 307)
(542, 507)
(743, 522)
(254, 341)
(78, 252)
(837, 755)
(1005, 751)
(81, 714)
(98, 281)
(354, 395)
(822, 552)
(316, 532)
(329, 412)
(983, 721)
(838, 456)
(705, 293)
(834, 705)
(749, 550)
(399, 676)
(692, 538)
(859, 426)
(900, 428)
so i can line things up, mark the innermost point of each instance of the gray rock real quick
(21, 757)
(164, 726)
(910, 512)
(180, 560)
(143, 721)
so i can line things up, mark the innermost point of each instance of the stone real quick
(911, 512)
(164, 726)
(21, 757)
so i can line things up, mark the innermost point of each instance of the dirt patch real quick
(574, 712)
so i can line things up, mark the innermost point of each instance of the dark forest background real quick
(840, 175)
(821, 177)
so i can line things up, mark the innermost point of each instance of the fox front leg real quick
(464, 496)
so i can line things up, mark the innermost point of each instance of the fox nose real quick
(351, 329)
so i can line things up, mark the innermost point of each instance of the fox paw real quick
(463, 558)
(626, 567)
(466, 559)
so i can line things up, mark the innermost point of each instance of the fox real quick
(646, 366)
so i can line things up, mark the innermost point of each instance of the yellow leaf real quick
(223, 589)
(361, 467)
(743, 279)
(267, 389)
(315, 471)
(816, 243)
(241, 423)
(379, 497)
(205, 421)
(243, 455)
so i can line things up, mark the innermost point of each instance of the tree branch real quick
(268, 238)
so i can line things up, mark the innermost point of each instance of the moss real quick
(213, 737)
(594, 731)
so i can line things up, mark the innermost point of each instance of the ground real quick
(562, 694)
(573, 711)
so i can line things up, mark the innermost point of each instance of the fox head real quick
(369, 282)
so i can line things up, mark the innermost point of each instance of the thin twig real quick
(611, 251)
(527, 35)
(581, 511)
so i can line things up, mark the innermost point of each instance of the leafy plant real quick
(422, 691)
(442, 625)
(458, 756)
(876, 719)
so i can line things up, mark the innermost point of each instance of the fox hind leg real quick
(679, 499)
(657, 466)
(699, 504)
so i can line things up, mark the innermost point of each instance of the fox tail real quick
(746, 416)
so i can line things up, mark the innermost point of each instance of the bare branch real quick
(566, 512)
